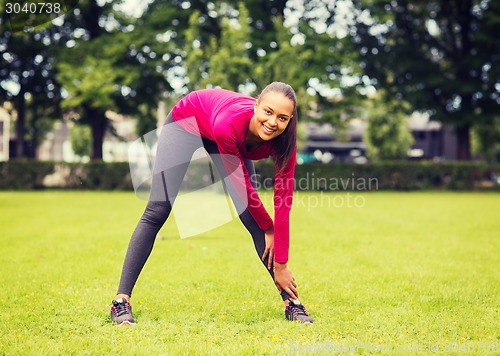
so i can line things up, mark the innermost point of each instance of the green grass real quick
(400, 269)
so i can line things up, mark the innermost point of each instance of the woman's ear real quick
(255, 106)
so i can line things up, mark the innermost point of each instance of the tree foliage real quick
(81, 140)
(388, 135)
(112, 68)
(229, 64)
(441, 56)
(435, 56)
(28, 81)
(486, 139)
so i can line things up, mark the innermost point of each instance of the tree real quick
(28, 80)
(260, 16)
(286, 62)
(229, 64)
(85, 69)
(90, 86)
(486, 139)
(289, 63)
(388, 135)
(118, 64)
(333, 81)
(81, 140)
(219, 61)
(440, 56)
(195, 63)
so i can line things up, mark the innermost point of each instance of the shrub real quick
(98, 175)
(24, 174)
(395, 175)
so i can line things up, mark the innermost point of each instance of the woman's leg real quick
(294, 310)
(257, 233)
(246, 218)
(141, 244)
(174, 152)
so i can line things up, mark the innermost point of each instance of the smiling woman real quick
(273, 115)
(234, 129)
(268, 121)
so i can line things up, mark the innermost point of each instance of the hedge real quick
(98, 175)
(404, 175)
(29, 175)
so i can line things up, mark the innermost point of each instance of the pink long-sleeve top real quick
(223, 116)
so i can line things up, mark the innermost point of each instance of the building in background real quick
(432, 141)
(57, 145)
(4, 134)
(324, 143)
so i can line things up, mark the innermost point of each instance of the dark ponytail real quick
(285, 143)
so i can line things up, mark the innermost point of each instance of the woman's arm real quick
(283, 197)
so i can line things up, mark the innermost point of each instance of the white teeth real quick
(267, 129)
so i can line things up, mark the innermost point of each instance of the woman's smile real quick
(268, 130)
(272, 113)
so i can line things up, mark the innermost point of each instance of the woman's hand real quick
(284, 280)
(269, 251)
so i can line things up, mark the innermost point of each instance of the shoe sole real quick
(126, 322)
(300, 322)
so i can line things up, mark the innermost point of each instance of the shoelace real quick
(298, 309)
(121, 308)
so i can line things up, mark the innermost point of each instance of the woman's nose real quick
(272, 121)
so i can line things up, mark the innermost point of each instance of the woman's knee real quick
(156, 213)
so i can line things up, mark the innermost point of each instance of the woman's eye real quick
(267, 112)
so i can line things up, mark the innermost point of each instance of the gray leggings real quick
(174, 152)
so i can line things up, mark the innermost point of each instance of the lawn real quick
(380, 271)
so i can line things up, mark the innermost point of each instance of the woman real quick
(235, 130)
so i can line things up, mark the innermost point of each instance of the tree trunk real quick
(463, 142)
(31, 145)
(98, 124)
(98, 127)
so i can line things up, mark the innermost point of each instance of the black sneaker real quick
(295, 311)
(121, 312)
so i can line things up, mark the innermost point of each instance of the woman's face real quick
(272, 113)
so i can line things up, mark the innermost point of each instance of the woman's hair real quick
(285, 143)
